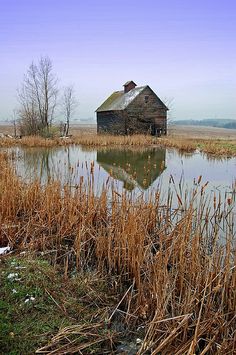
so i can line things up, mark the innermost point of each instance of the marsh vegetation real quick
(171, 280)
(216, 147)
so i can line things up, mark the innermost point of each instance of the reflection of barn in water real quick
(134, 168)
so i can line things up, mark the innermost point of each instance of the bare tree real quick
(38, 97)
(13, 122)
(169, 102)
(69, 104)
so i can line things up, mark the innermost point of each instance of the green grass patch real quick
(36, 302)
(218, 147)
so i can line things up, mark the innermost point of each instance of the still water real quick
(136, 171)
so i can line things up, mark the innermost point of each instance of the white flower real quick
(29, 299)
(12, 276)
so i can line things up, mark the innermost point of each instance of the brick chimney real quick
(129, 86)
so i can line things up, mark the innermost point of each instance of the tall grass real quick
(175, 275)
(91, 140)
(35, 141)
(214, 147)
(111, 140)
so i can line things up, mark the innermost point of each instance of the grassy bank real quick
(172, 276)
(38, 302)
(217, 147)
(34, 141)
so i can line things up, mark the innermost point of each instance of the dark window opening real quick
(146, 99)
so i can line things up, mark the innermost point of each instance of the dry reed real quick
(175, 276)
(35, 141)
(213, 147)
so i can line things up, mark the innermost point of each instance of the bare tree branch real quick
(38, 97)
(69, 104)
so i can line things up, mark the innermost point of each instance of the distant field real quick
(202, 132)
(75, 128)
(185, 131)
(174, 130)
(212, 122)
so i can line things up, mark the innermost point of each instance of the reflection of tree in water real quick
(134, 168)
(45, 164)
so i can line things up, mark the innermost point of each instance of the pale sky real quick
(184, 49)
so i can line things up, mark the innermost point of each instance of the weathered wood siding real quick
(110, 122)
(146, 114)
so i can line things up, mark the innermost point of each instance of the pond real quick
(140, 173)
(135, 170)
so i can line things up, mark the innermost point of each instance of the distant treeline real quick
(221, 123)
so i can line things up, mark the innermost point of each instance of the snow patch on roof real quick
(119, 100)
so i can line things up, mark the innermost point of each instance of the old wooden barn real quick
(136, 109)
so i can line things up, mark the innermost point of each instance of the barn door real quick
(153, 129)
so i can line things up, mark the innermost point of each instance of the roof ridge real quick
(120, 100)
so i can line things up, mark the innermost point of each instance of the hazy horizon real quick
(185, 51)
